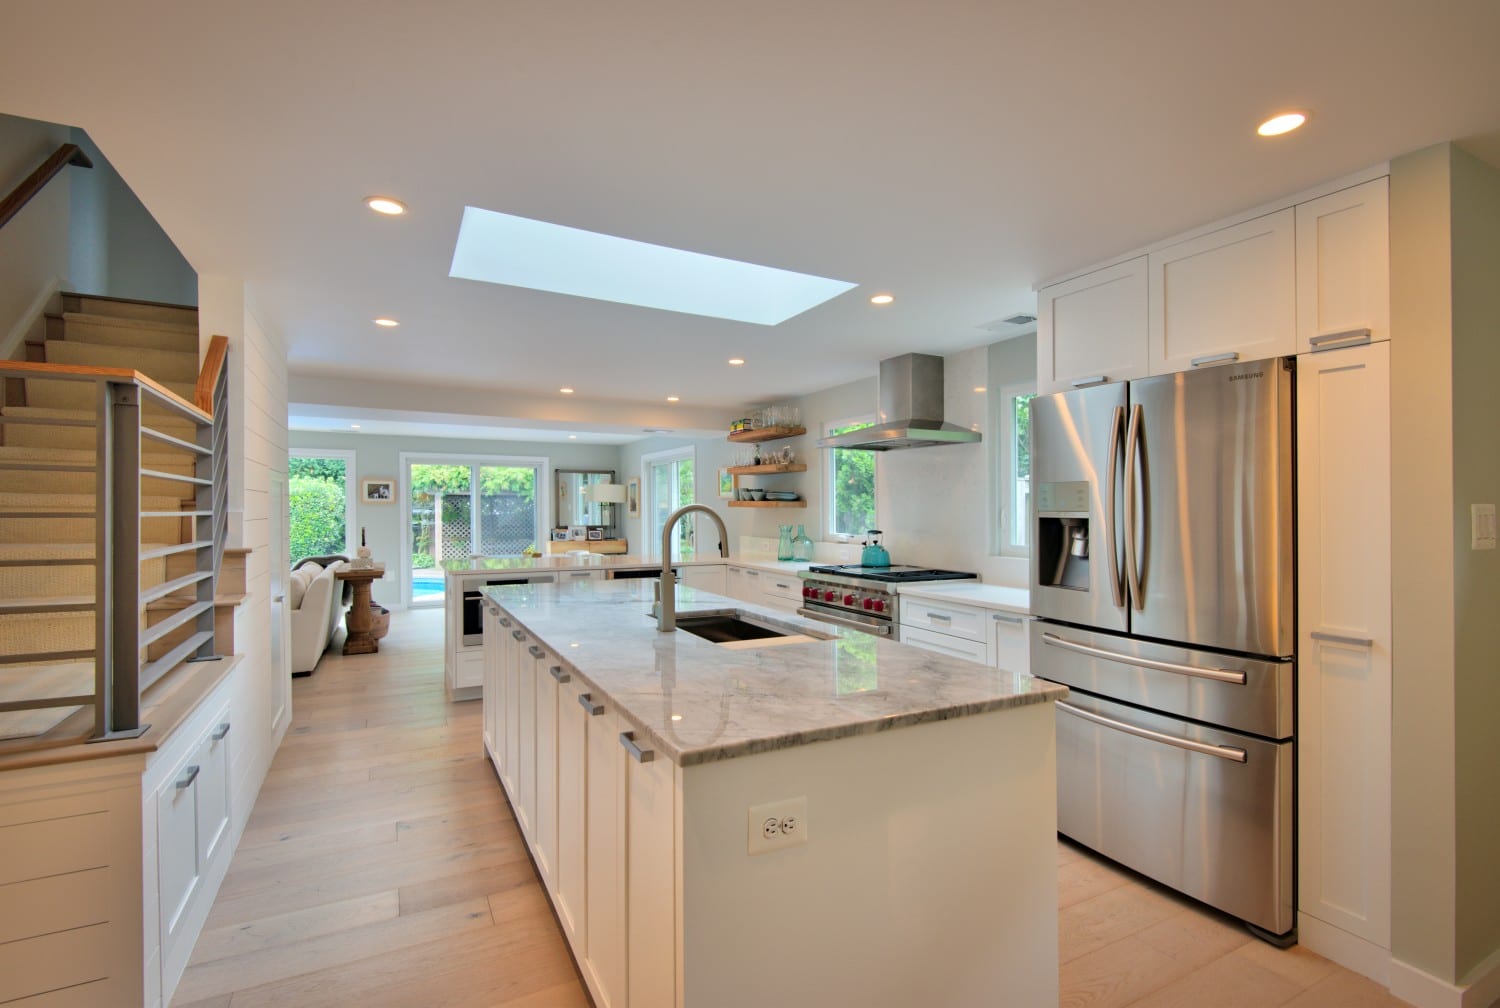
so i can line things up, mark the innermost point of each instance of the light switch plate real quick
(777, 824)
(1482, 526)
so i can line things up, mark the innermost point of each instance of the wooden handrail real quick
(67, 154)
(208, 375)
(35, 369)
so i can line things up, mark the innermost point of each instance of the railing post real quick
(119, 468)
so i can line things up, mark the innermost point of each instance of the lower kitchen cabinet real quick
(1344, 654)
(546, 672)
(650, 874)
(604, 959)
(780, 590)
(991, 637)
(570, 892)
(705, 577)
(1010, 641)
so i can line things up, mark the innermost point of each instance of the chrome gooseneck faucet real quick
(666, 588)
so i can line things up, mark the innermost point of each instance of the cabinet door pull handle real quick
(221, 731)
(780, 585)
(753, 573)
(1218, 358)
(505, 621)
(586, 701)
(559, 674)
(1328, 341)
(627, 739)
(940, 616)
(1334, 638)
(189, 775)
(518, 635)
(536, 652)
(1002, 618)
(1086, 382)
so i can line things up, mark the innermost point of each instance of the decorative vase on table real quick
(802, 546)
(784, 547)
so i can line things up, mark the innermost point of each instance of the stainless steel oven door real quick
(854, 621)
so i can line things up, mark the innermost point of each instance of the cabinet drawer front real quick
(954, 647)
(1012, 641)
(787, 586)
(956, 621)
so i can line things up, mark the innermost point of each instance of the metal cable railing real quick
(144, 434)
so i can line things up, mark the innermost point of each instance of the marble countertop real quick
(623, 561)
(696, 702)
(973, 593)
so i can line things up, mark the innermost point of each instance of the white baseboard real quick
(1427, 991)
(31, 318)
(1349, 951)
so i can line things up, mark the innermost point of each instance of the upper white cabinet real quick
(1092, 327)
(1344, 267)
(1227, 295)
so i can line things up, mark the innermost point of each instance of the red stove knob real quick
(869, 603)
(809, 592)
(848, 600)
(829, 596)
(880, 605)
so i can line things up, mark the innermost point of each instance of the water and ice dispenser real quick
(1062, 534)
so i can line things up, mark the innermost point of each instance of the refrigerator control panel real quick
(1063, 498)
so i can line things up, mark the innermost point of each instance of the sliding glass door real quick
(462, 506)
(669, 485)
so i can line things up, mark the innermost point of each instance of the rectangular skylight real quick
(504, 249)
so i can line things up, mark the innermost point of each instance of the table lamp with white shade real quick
(607, 493)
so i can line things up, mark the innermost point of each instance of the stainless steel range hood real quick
(911, 410)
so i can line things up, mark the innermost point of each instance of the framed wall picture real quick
(726, 485)
(378, 491)
(633, 497)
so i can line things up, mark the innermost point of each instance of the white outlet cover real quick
(790, 830)
(1482, 526)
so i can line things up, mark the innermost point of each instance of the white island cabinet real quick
(705, 818)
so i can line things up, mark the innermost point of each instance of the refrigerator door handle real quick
(1111, 532)
(1191, 745)
(1197, 672)
(1132, 565)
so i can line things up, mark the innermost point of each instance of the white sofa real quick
(311, 591)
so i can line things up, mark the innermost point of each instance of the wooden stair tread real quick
(122, 322)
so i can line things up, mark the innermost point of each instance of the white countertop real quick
(699, 702)
(615, 561)
(973, 593)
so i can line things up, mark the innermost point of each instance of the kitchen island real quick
(816, 818)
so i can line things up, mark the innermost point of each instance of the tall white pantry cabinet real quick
(1312, 278)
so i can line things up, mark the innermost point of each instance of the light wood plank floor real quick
(381, 867)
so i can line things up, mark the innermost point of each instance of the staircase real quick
(53, 423)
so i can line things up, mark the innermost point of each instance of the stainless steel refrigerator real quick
(1162, 586)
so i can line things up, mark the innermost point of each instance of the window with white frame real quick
(668, 484)
(850, 475)
(1015, 469)
(320, 503)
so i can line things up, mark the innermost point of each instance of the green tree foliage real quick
(1023, 436)
(331, 469)
(316, 525)
(853, 487)
(493, 480)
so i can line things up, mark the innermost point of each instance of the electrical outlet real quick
(778, 824)
(1482, 526)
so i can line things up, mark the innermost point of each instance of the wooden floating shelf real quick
(760, 434)
(776, 504)
(768, 468)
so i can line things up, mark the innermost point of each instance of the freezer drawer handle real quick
(876, 629)
(1331, 341)
(1218, 358)
(536, 652)
(1191, 745)
(1086, 382)
(1217, 675)
(1334, 638)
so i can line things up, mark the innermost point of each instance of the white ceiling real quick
(953, 153)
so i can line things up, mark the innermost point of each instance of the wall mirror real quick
(573, 506)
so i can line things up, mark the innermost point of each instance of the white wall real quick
(117, 248)
(936, 505)
(34, 245)
(378, 456)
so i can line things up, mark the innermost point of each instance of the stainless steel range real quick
(863, 598)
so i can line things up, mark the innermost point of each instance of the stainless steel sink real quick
(731, 629)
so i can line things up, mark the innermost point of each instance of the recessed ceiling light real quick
(387, 323)
(882, 299)
(1283, 123)
(354, 426)
(676, 717)
(672, 398)
(502, 248)
(566, 391)
(572, 437)
(386, 205)
(979, 388)
(736, 361)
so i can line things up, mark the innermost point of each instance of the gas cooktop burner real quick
(893, 573)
